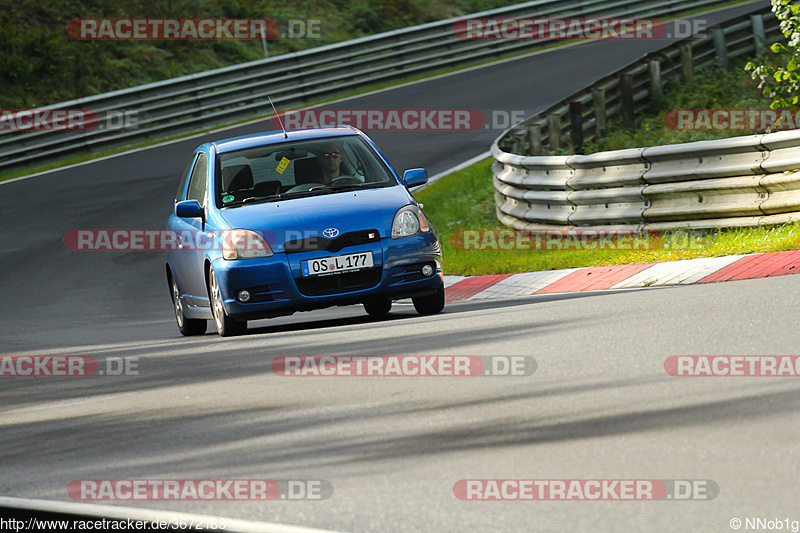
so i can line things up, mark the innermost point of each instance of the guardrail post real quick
(554, 131)
(576, 124)
(535, 139)
(505, 144)
(626, 98)
(687, 60)
(518, 139)
(599, 104)
(720, 48)
(654, 69)
(757, 21)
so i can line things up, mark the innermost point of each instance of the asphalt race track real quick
(599, 405)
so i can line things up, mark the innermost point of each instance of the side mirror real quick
(189, 209)
(415, 176)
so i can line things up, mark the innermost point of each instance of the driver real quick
(329, 158)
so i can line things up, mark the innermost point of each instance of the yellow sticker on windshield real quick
(282, 165)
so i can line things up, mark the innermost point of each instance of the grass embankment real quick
(464, 200)
(712, 88)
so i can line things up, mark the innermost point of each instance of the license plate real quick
(337, 264)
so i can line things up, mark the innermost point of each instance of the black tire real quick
(187, 326)
(226, 326)
(378, 307)
(430, 305)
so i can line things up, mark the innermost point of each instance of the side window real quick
(182, 184)
(197, 183)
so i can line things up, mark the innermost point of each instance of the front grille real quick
(337, 283)
(311, 244)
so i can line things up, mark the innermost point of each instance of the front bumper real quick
(277, 287)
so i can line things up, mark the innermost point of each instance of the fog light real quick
(427, 271)
(243, 296)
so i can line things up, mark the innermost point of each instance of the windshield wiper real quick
(344, 187)
(251, 198)
(274, 197)
(334, 188)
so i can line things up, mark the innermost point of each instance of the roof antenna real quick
(285, 136)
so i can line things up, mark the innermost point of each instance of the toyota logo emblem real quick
(331, 233)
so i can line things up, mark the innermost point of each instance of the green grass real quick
(464, 200)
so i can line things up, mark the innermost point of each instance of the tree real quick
(778, 73)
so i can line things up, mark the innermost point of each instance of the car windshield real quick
(297, 169)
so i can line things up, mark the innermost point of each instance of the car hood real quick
(301, 218)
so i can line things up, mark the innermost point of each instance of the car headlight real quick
(409, 221)
(244, 244)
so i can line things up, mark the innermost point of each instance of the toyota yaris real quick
(270, 224)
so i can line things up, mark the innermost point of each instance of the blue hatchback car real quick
(270, 224)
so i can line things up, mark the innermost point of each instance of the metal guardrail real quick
(225, 95)
(741, 181)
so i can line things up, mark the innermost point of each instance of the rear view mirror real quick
(291, 153)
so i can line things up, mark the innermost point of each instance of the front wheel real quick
(430, 305)
(187, 326)
(226, 326)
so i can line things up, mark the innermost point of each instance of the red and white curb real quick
(686, 272)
